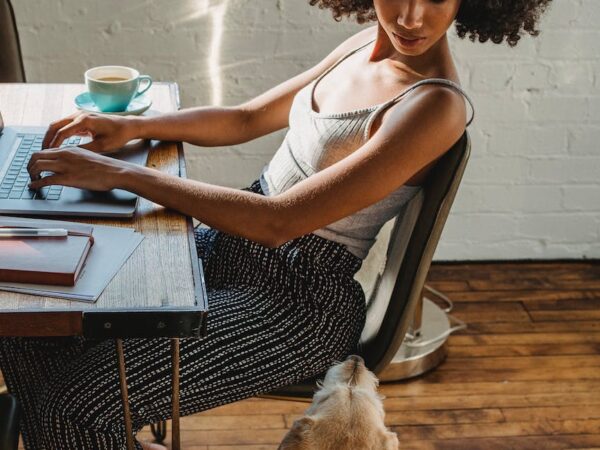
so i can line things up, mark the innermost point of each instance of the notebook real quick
(44, 260)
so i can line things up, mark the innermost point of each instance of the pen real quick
(33, 232)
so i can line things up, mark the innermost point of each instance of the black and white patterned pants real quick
(276, 316)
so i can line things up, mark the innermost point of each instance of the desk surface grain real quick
(161, 273)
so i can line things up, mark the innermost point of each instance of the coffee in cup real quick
(112, 88)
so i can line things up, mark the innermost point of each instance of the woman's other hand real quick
(108, 133)
(75, 167)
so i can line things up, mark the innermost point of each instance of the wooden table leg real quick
(124, 397)
(175, 435)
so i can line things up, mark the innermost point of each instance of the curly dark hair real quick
(483, 20)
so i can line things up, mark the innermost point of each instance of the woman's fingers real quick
(55, 126)
(77, 126)
(72, 166)
(54, 153)
(49, 181)
(45, 165)
(98, 145)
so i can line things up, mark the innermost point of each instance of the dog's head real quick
(346, 412)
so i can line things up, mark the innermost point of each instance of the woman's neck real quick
(435, 62)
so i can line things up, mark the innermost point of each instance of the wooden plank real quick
(486, 351)
(552, 362)
(487, 401)
(43, 324)
(531, 327)
(562, 315)
(506, 437)
(511, 280)
(242, 447)
(518, 295)
(527, 338)
(437, 417)
(589, 304)
(510, 283)
(483, 312)
(531, 374)
(551, 413)
(226, 422)
(231, 437)
(554, 442)
(512, 269)
(420, 388)
(432, 417)
(446, 286)
(463, 431)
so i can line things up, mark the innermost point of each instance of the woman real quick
(367, 123)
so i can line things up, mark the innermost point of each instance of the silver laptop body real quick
(16, 146)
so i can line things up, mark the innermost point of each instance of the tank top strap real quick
(334, 65)
(441, 81)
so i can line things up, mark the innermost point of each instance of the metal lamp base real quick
(411, 361)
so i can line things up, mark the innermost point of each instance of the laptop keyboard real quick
(15, 181)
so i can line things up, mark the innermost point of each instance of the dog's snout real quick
(355, 358)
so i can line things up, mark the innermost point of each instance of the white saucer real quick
(137, 106)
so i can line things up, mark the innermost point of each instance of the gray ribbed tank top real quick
(315, 140)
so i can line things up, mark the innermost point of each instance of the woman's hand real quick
(75, 167)
(108, 132)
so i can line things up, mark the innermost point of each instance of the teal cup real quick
(112, 88)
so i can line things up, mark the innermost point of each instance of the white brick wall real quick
(532, 186)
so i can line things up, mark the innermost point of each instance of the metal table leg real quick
(124, 397)
(175, 435)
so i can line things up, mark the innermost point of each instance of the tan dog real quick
(346, 413)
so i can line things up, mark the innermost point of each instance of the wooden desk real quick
(159, 292)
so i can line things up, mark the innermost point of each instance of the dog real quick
(346, 413)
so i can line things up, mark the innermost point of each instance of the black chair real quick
(11, 59)
(9, 422)
(399, 291)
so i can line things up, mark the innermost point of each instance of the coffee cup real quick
(112, 88)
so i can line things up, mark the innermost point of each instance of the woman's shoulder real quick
(350, 44)
(357, 40)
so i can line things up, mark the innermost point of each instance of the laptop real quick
(18, 143)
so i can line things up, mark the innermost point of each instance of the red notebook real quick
(44, 260)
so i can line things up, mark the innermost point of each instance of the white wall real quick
(532, 185)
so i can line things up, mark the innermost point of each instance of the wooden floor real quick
(524, 375)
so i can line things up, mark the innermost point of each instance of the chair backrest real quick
(413, 240)
(11, 59)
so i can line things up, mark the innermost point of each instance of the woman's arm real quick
(206, 126)
(413, 133)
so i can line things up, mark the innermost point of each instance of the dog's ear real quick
(390, 441)
(296, 438)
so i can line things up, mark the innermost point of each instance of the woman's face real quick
(414, 26)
